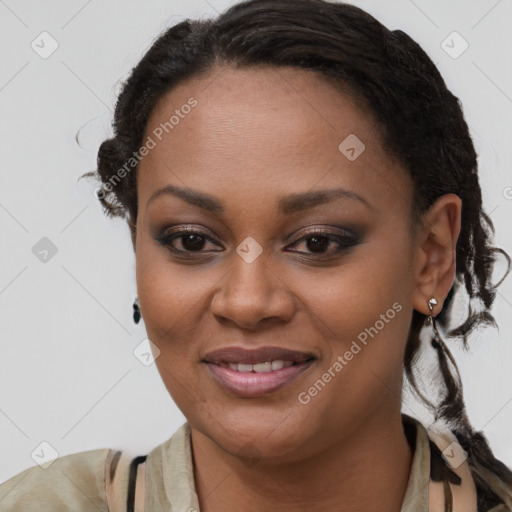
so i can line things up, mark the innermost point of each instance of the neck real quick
(368, 471)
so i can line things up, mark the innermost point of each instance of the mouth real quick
(265, 367)
(257, 372)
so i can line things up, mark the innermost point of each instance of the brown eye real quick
(191, 241)
(317, 242)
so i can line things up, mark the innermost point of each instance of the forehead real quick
(266, 131)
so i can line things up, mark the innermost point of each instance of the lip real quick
(252, 384)
(258, 355)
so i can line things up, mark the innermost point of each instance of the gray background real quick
(68, 375)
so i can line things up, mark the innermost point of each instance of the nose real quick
(252, 294)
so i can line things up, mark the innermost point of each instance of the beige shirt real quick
(97, 480)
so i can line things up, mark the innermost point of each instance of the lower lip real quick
(252, 384)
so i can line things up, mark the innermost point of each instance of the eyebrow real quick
(287, 205)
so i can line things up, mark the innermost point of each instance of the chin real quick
(258, 434)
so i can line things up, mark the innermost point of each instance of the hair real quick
(421, 123)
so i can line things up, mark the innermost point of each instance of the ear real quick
(435, 253)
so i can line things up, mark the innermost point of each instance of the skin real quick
(257, 135)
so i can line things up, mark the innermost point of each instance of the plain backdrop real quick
(68, 374)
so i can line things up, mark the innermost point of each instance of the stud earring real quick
(431, 303)
(136, 311)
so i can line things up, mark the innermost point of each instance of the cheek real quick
(169, 298)
(363, 312)
(174, 299)
(353, 296)
(168, 293)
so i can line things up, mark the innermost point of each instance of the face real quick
(327, 277)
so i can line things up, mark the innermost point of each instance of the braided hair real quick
(421, 122)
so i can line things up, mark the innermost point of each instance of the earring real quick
(136, 311)
(449, 370)
(436, 341)
(431, 303)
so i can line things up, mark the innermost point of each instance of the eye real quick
(190, 239)
(318, 241)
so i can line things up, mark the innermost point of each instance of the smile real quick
(267, 366)
(257, 371)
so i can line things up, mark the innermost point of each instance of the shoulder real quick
(448, 452)
(71, 482)
(101, 480)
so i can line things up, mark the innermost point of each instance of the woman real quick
(304, 205)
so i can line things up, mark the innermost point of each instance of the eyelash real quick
(344, 241)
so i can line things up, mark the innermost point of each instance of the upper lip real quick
(258, 355)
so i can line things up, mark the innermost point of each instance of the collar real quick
(440, 479)
(438, 471)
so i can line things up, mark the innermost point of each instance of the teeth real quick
(267, 366)
(277, 365)
(262, 367)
